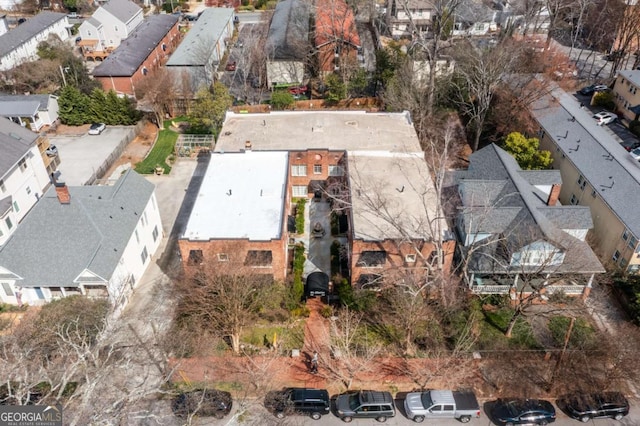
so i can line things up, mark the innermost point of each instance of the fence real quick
(191, 145)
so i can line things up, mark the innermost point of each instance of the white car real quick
(97, 128)
(635, 154)
(605, 117)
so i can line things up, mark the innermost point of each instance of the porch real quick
(575, 285)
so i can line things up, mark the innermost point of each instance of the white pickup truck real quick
(441, 404)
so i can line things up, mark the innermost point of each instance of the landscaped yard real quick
(162, 149)
(286, 337)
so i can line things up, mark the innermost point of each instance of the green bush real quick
(326, 311)
(358, 300)
(634, 127)
(300, 203)
(604, 100)
(297, 286)
(335, 258)
(301, 311)
(281, 99)
(582, 336)
(630, 288)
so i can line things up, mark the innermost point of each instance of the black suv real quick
(512, 411)
(587, 406)
(209, 402)
(313, 402)
(365, 404)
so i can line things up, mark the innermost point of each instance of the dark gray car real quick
(365, 404)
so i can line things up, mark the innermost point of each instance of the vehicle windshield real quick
(426, 400)
(354, 401)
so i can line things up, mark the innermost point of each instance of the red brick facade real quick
(157, 57)
(317, 164)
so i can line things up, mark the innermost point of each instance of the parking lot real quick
(83, 157)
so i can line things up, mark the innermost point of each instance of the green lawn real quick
(163, 148)
(287, 337)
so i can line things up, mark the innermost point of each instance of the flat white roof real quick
(632, 75)
(333, 130)
(241, 196)
(393, 197)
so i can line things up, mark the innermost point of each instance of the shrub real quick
(358, 300)
(604, 100)
(281, 99)
(335, 258)
(301, 311)
(326, 311)
(300, 215)
(297, 286)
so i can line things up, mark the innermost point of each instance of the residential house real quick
(337, 42)
(21, 43)
(200, 52)
(95, 241)
(473, 18)
(421, 69)
(264, 161)
(596, 172)
(626, 96)
(4, 25)
(35, 111)
(523, 17)
(148, 48)
(514, 236)
(288, 43)
(404, 17)
(107, 27)
(23, 174)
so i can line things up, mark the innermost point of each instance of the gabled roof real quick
(56, 243)
(197, 46)
(518, 213)
(473, 12)
(43, 100)
(94, 22)
(288, 36)
(335, 21)
(19, 109)
(124, 10)
(15, 142)
(135, 49)
(27, 30)
(632, 75)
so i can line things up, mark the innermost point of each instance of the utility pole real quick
(567, 336)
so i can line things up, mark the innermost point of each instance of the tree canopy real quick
(526, 152)
(76, 108)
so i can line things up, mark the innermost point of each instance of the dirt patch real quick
(137, 149)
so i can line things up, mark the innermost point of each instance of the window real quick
(145, 71)
(115, 27)
(633, 269)
(16, 207)
(299, 190)
(410, 258)
(164, 47)
(616, 256)
(335, 171)
(28, 190)
(223, 257)
(7, 289)
(143, 219)
(195, 257)
(317, 169)
(574, 199)
(623, 262)
(22, 164)
(582, 182)
(633, 242)
(155, 233)
(372, 259)
(2, 187)
(259, 258)
(625, 235)
(144, 255)
(137, 236)
(298, 170)
(9, 223)
(594, 193)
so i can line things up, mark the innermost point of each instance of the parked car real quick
(605, 117)
(312, 402)
(97, 128)
(513, 411)
(635, 154)
(231, 66)
(441, 404)
(590, 90)
(587, 406)
(630, 144)
(206, 403)
(365, 404)
(299, 90)
(52, 151)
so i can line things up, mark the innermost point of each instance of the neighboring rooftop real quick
(124, 10)
(135, 49)
(289, 31)
(241, 196)
(393, 197)
(595, 152)
(632, 75)
(43, 100)
(335, 21)
(15, 142)
(56, 243)
(27, 30)
(333, 130)
(197, 46)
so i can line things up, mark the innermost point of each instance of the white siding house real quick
(95, 241)
(34, 111)
(110, 24)
(21, 43)
(23, 175)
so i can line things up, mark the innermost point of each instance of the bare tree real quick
(157, 93)
(627, 33)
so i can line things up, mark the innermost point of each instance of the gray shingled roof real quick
(5, 204)
(134, 50)
(124, 10)
(520, 213)
(19, 108)
(288, 36)
(27, 30)
(15, 142)
(94, 22)
(56, 242)
(196, 48)
(43, 100)
(595, 152)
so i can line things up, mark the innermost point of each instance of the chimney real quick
(247, 146)
(554, 194)
(63, 193)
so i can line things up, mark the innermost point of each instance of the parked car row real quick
(418, 406)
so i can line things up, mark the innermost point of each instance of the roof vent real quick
(352, 123)
(15, 136)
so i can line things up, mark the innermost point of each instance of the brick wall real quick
(311, 158)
